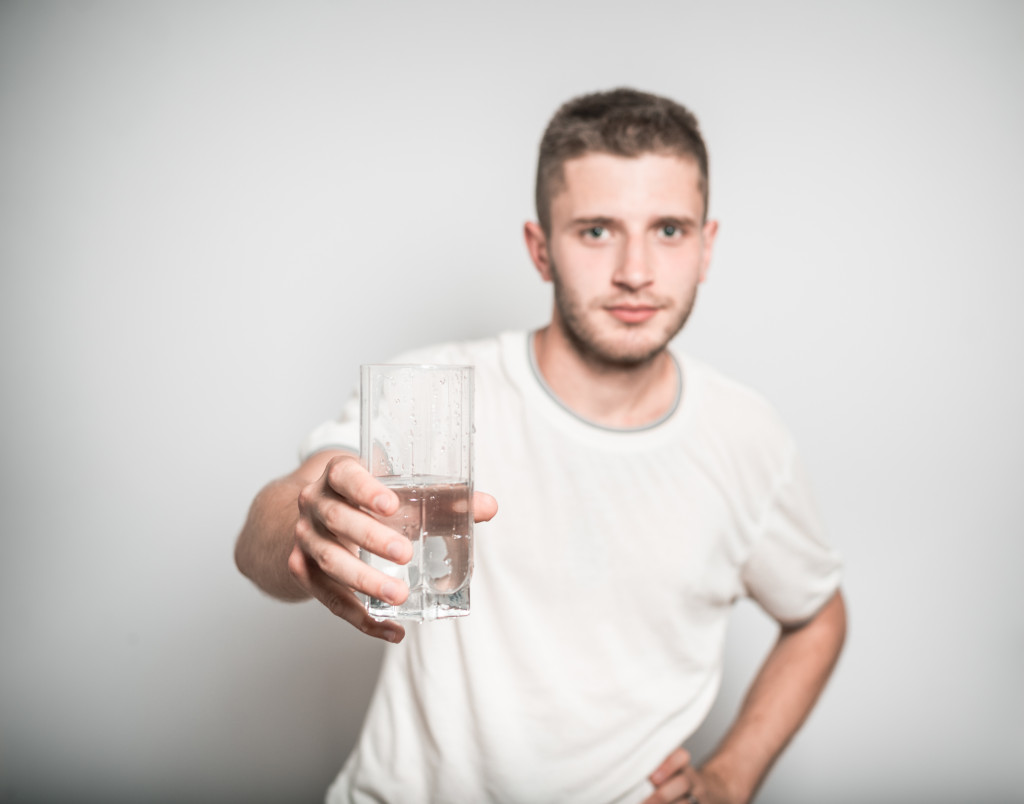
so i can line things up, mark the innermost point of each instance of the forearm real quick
(267, 538)
(779, 700)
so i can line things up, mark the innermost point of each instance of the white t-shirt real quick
(600, 594)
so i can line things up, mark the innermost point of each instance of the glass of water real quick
(416, 437)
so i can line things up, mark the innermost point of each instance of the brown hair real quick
(623, 122)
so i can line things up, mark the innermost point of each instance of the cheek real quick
(586, 264)
(685, 266)
(583, 283)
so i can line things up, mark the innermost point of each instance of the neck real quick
(608, 394)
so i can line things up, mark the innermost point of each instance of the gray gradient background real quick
(204, 208)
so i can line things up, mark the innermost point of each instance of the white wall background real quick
(210, 213)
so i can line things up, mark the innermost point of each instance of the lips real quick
(632, 314)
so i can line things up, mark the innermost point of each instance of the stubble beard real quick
(622, 346)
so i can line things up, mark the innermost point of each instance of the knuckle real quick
(340, 472)
(303, 532)
(358, 485)
(333, 517)
(335, 604)
(366, 624)
(307, 497)
(679, 759)
(323, 554)
(297, 565)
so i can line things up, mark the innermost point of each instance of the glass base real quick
(421, 606)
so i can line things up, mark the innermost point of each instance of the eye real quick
(671, 230)
(596, 231)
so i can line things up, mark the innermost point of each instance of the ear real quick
(709, 234)
(537, 245)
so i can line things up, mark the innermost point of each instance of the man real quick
(641, 492)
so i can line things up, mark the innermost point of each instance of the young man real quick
(641, 492)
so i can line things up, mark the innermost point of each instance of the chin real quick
(602, 340)
(625, 350)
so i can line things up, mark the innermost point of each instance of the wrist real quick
(722, 784)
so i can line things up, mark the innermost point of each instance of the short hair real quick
(622, 122)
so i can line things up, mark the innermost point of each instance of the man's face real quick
(625, 253)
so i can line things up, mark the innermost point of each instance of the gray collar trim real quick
(532, 357)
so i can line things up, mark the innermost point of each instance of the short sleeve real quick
(340, 433)
(791, 572)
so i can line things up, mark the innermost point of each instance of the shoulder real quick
(726, 394)
(731, 412)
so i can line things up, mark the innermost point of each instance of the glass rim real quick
(426, 366)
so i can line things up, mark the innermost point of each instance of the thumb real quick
(484, 507)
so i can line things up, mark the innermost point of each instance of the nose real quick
(633, 270)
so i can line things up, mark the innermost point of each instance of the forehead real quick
(605, 184)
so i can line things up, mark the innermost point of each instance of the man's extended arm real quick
(777, 703)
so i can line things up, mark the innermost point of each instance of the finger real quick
(674, 763)
(484, 507)
(350, 480)
(341, 601)
(677, 788)
(343, 566)
(337, 519)
(350, 488)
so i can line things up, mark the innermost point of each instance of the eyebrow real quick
(682, 222)
(595, 221)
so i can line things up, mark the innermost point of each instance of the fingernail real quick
(381, 502)
(389, 591)
(395, 550)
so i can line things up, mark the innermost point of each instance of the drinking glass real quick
(416, 437)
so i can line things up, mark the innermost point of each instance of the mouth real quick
(632, 313)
